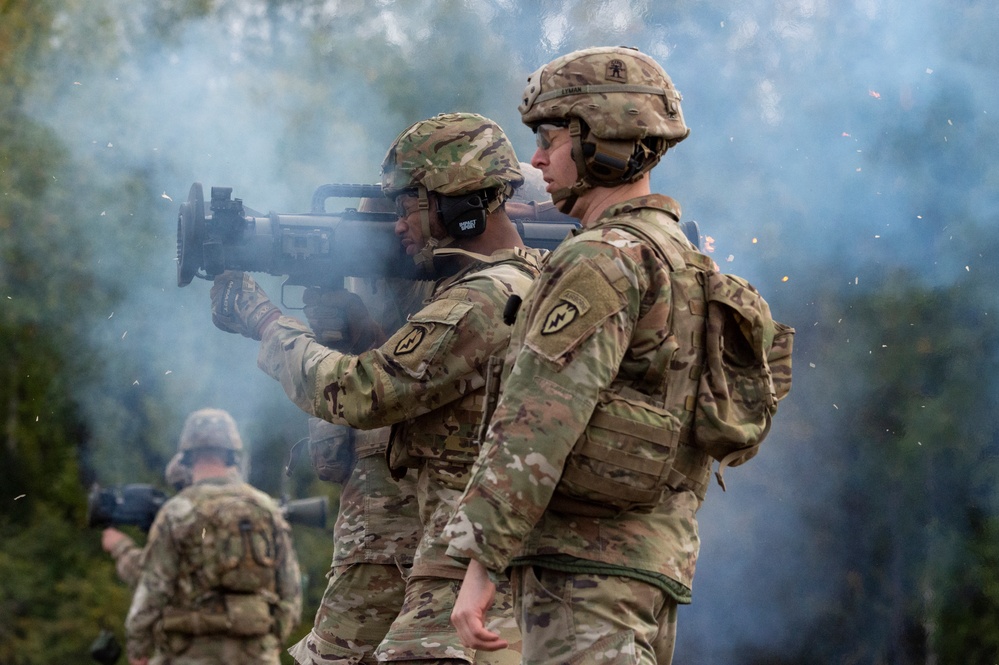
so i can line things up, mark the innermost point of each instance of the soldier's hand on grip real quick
(239, 305)
(340, 320)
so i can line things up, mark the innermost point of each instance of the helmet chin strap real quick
(565, 198)
(425, 257)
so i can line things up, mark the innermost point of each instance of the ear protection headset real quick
(463, 216)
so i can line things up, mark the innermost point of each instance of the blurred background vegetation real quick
(842, 157)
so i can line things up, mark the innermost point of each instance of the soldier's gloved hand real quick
(340, 320)
(239, 305)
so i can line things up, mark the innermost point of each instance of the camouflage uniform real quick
(552, 380)
(376, 531)
(172, 584)
(588, 589)
(220, 581)
(428, 379)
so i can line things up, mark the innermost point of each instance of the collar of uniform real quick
(230, 476)
(656, 201)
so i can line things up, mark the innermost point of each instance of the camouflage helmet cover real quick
(210, 428)
(619, 92)
(452, 154)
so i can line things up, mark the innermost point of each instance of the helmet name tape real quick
(604, 88)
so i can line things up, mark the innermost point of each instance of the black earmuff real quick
(463, 216)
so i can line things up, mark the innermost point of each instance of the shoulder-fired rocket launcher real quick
(317, 248)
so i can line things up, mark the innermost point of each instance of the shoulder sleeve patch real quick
(572, 310)
(420, 343)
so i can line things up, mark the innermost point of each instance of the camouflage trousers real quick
(360, 602)
(422, 634)
(592, 619)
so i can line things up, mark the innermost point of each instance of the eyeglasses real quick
(400, 204)
(545, 134)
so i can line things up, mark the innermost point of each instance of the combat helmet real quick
(465, 159)
(620, 106)
(210, 429)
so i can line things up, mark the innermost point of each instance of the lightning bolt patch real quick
(560, 316)
(409, 343)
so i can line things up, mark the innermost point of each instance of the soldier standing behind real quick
(449, 177)
(220, 582)
(603, 360)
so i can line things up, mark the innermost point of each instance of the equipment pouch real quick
(249, 614)
(194, 622)
(623, 460)
(737, 392)
(331, 448)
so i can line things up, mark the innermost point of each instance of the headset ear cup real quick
(463, 216)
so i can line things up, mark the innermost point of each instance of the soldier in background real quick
(449, 177)
(220, 581)
(126, 553)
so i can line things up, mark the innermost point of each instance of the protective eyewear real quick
(400, 204)
(546, 133)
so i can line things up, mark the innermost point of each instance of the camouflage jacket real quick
(378, 520)
(597, 318)
(173, 582)
(426, 374)
(427, 380)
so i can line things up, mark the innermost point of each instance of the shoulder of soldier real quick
(605, 240)
(262, 499)
(238, 490)
(179, 505)
(492, 282)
